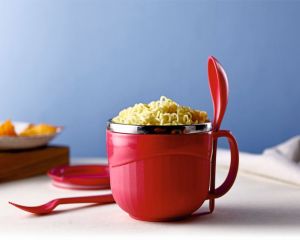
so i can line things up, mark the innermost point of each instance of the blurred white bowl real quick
(20, 142)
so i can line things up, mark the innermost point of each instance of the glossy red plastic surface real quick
(50, 206)
(219, 90)
(86, 177)
(161, 177)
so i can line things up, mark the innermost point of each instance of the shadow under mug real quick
(160, 173)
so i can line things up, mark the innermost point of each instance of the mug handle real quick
(234, 164)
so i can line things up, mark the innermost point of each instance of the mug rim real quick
(158, 129)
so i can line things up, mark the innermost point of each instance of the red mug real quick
(160, 173)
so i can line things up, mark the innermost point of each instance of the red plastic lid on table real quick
(83, 177)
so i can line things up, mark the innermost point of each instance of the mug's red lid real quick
(85, 177)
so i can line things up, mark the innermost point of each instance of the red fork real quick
(50, 206)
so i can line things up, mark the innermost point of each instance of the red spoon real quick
(219, 91)
(49, 207)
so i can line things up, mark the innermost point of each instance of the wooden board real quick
(26, 163)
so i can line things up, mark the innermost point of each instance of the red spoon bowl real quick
(218, 84)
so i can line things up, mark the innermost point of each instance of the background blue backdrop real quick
(77, 63)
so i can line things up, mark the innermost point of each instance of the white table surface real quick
(255, 206)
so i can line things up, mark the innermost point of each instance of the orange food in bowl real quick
(37, 130)
(7, 129)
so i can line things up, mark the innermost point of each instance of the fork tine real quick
(49, 206)
(36, 210)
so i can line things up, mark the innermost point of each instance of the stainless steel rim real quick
(154, 129)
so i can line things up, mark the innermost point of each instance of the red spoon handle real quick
(213, 175)
(88, 199)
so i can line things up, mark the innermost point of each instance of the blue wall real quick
(77, 63)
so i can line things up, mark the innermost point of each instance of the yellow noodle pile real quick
(162, 112)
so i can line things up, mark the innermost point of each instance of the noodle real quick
(162, 112)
